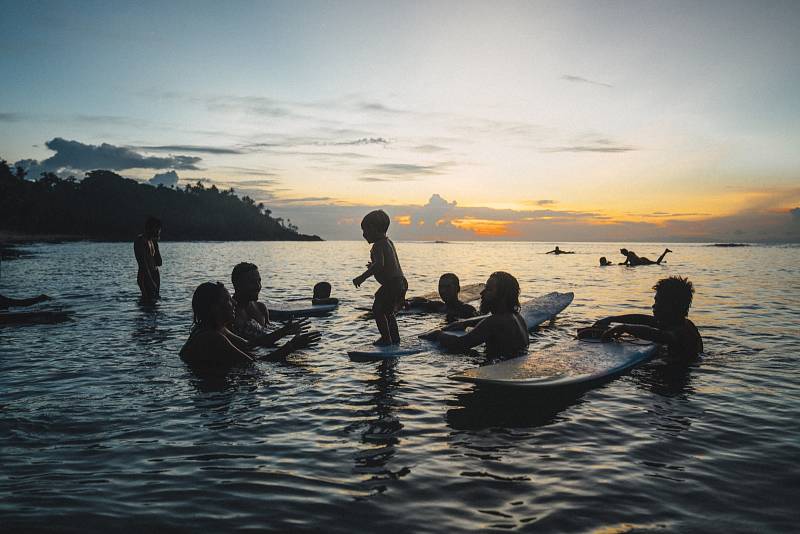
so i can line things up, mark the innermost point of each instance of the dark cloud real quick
(76, 156)
(580, 79)
(404, 171)
(544, 202)
(192, 148)
(363, 141)
(167, 179)
(12, 117)
(428, 149)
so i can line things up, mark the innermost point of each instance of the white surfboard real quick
(571, 364)
(534, 311)
(287, 310)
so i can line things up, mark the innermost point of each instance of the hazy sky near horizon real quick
(511, 120)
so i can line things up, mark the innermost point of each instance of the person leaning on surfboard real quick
(504, 331)
(668, 325)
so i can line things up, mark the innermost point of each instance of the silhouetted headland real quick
(106, 206)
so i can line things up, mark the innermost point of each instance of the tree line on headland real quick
(106, 206)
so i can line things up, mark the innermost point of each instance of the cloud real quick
(544, 202)
(400, 171)
(362, 141)
(73, 156)
(588, 148)
(12, 117)
(167, 179)
(580, 79)
(193, 148)
(428, 149)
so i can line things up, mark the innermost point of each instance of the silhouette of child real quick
(669, 323)
(449, 287)
(322, 294)
(385, 267)
(148, 257)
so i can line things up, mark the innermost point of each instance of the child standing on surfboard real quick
(385, 267)
(669, 323)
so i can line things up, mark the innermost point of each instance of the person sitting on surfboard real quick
(558, 251)
(322, 294)
(449, 287)
(251, 318)
(632, 260)
(212, 345)
(504, 331)
(148, 257)
(669, 323)
(385, 266)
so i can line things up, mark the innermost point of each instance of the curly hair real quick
(677, 291)
(507, 290)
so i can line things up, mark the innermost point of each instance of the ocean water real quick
(102, 426)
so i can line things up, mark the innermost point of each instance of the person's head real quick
(557, 248)
(152, 227)
(246, 281)
(604, 261)
(672, 300)
(449, 286)
(623, 251)
(322, 290)
(212, 305)
(501, 294)
(374, 225)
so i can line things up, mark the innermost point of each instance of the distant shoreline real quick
(16, 238)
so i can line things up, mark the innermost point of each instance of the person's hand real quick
(301, 341)
(295, 327)
(613, 332)
(433, 335)
(358, 280)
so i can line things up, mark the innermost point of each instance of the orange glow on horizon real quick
(484, 227)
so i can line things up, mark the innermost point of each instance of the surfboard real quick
(33, 317)
(534, 311)
(287, 310)
(572, 364)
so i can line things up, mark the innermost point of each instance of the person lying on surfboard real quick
(668, 325)
(251, 318)
(8, 302)
(322, 294)
(558, 251)
(504, 331)
(212, 345)
(449, 287)
(384, 265)
(632, 260)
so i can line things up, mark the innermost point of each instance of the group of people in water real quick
(227, 328)
(631, 258)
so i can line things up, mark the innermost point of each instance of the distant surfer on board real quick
(558, 251)
(668, 325)
(504, 331)
(212, 346)
(449, 288)
(632, 260)
(385, 267)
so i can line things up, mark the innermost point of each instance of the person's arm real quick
(375, 264)
(640, 331)
(292, 327)
(476, 336)
(215, 350)
(141, 260)
(157, 256)
(631, 318)
(298, 342)
(550, 252)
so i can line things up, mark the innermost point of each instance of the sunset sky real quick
(551, 121)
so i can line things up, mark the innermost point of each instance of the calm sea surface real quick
(102, 426)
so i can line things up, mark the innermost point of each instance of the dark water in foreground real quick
(102, 426)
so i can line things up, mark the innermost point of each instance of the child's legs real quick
(382, 321)
(660, 258)
(393, 331)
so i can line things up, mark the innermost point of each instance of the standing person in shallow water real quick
(504, 331)
(148, 257)
(251, 317)
(632, 260)
(385, 267)
(669, 323)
